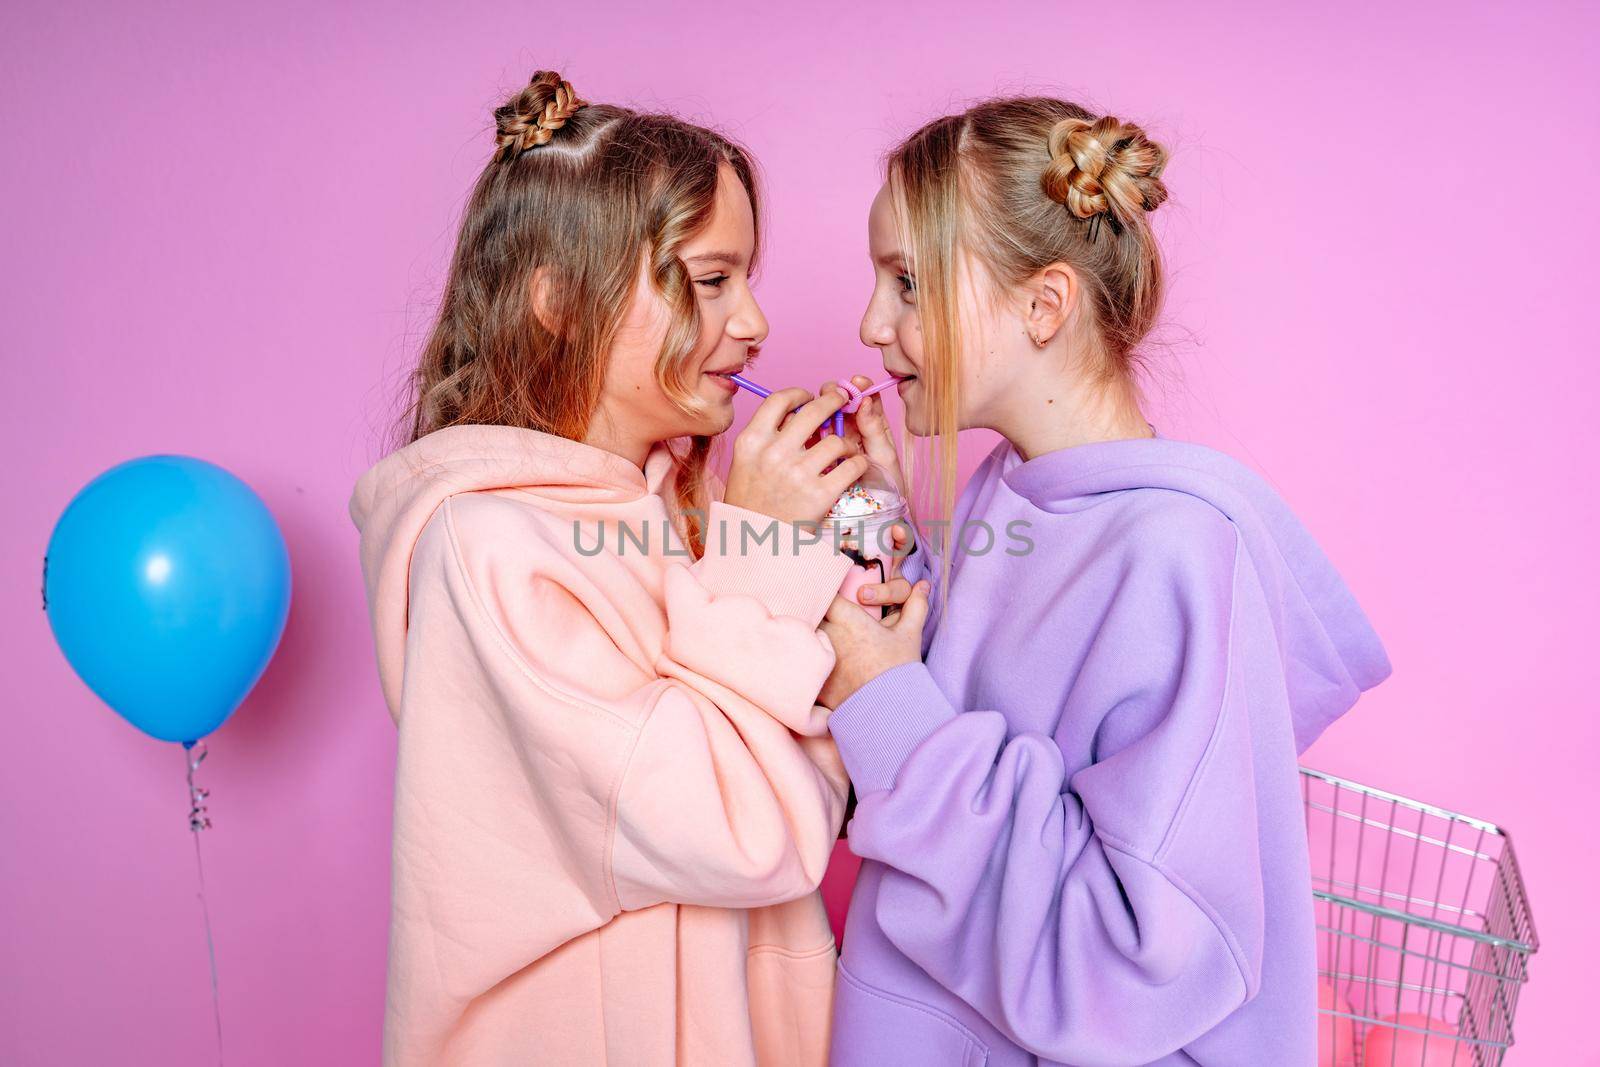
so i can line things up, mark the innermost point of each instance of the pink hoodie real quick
(615, 795)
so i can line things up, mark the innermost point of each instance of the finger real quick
(847, 473)
(872, 406)
(864, 408)
(842, 613)
(770, 412)
(876, 439)
(901, 544)
(832, 424)
(915, 611)
(852, 430)
(894, 591)
(827, 449)
(803, 423)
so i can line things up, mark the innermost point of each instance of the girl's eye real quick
(712, 283)
(908, 284)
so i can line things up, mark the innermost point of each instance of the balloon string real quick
(194, 752)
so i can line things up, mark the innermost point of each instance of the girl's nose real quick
(875, 331)
(747, 323)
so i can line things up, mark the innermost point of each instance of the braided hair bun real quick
(1104, 167)
(530, 118)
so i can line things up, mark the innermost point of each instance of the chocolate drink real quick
(861, 522)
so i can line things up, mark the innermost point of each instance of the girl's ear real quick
(539, 293)
(1053, 296)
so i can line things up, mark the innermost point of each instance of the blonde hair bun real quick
(530, 118)
(1104, 166)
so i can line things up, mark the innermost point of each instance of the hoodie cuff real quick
(791, 570)
(879, 725)
(916, 564)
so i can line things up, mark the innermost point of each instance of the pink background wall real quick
(225, 224)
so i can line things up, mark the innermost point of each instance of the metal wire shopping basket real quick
(1423, 930)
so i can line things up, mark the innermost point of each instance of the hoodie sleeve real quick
(725, 790)
(919, 564)
(790, 569)
(1105, 914)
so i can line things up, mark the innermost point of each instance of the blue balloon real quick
(167, 586)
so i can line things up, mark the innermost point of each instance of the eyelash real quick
(908, 284)
(712, 283)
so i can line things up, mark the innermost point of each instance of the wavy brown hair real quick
(577, 194)
(1020, 183)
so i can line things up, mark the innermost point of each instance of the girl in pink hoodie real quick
(615, 794)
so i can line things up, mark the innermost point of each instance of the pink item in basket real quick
(1336, 1034)
(1388, 1046)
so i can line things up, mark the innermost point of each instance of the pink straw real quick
(858, 395)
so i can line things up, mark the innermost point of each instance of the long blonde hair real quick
(582, 191)
(1020, 183)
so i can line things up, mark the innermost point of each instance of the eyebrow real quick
(732, 259)
(891, 261)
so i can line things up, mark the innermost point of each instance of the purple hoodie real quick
(1081, 817)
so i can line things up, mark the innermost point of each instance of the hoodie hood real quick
(1330, 651)
(395, 499)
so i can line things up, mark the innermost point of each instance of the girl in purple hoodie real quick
(1075, 747)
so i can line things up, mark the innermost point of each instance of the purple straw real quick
(852, 406)
(763, 391)
(759, 390)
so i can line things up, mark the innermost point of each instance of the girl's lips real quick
(723, 381)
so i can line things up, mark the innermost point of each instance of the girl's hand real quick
(896, 591)
(865, 647)
(868, 430)
(774, 472)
